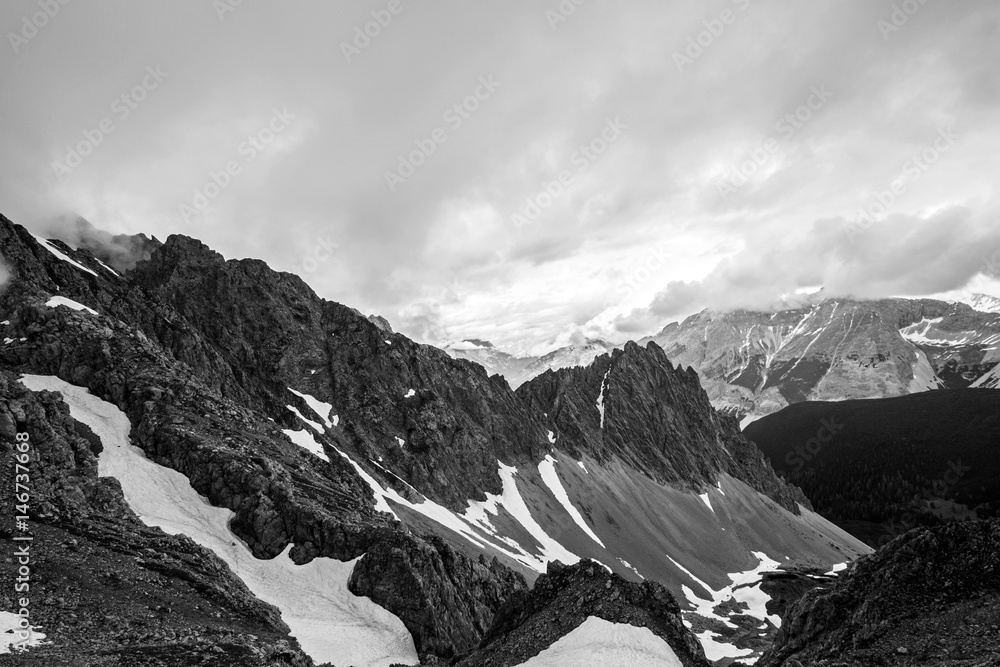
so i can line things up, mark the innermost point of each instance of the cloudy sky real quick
(524, 171)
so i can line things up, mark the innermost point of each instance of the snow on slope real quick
(547, 468)
(984, 303)
(51, 248)
(330, 623)
(600, 643)
(69, 303)
(745, 588)
(600, 397)
(989, 381)
(476, 518)
(322, 409)
(510, 499)
(304, 440)
(11, 637)
(924, 377)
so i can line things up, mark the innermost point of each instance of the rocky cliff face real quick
(930, 597)
(636, 406)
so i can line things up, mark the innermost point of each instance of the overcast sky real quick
(637, 117)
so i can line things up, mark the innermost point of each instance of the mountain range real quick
(226, 469)
(753, 363)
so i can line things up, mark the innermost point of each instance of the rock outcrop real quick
(634, 404)
(564, 598)
(930, 597)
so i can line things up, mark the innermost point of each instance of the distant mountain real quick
(755, 363)
(982, 302)
(518, 370)
(880, 467)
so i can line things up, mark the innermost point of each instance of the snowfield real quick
(9, 634)
(600, 643)
(330, 623)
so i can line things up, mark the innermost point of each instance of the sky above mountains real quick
(531, 173)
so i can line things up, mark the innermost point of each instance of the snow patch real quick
(547, 468)
(705, 499)
(112, 271)
(552, 437)
(305, 440)
(400, 441)
(59, 255)
(69, 303)
(13, 637)
(839, 567)
(319, 407)
(411, 393)
(600, 643)
(330, 623)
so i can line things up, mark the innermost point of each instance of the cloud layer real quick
(664, 156)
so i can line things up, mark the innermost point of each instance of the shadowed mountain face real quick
(880, 467)
(330, 438)
(754, 363)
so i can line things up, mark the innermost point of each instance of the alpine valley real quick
(226, 469)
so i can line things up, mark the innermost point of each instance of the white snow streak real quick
(600, 397)
(322, 409)
(51, 248)
(306, 441)
(69, 303)
(551, 478)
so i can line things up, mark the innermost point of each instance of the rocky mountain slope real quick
(881, 466)
(931, 597)
(755, 363)
(288, 436)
